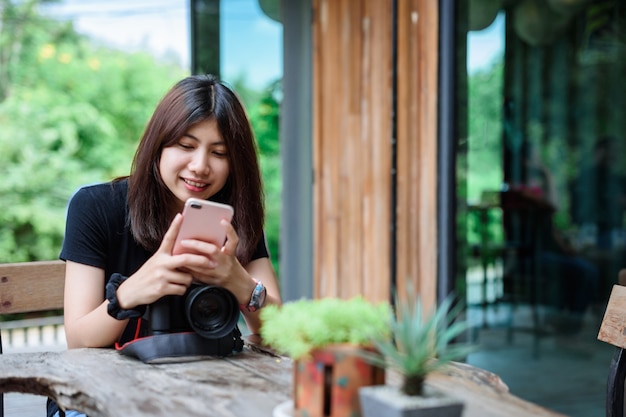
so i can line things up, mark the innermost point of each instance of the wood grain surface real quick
(102, 382)
(613, 327)
(31, 286)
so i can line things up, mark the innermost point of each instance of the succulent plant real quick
(419, 344)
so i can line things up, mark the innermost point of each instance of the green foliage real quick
(296, 328)
(264, 116)
(270, 167)
(37, 147)
(484, 148)
(71, 114)
(20, 28)
(420, 344)
(484, 228)
(484, 154)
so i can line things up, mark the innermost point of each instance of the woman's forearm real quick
(96, 329)
(253, 319)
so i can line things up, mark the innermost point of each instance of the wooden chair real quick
(30, 287)
(613, 331)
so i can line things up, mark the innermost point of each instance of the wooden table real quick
(104, 383)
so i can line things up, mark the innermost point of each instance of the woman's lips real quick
(195, 185)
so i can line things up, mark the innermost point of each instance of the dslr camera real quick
(212, 312)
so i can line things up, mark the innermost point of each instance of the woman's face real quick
(197, 164)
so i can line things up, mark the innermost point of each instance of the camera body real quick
(212, 312)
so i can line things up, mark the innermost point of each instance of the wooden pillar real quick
(353, 94)
(417, 88)
(352, 147)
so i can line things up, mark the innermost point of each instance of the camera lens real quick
(212, 312)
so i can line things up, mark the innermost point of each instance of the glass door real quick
(542, 190)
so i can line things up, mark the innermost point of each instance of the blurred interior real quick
(541, 183)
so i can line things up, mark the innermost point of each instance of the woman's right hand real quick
(162, 274)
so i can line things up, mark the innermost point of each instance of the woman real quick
(198, 143)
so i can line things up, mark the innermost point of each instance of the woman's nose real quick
(199, 163)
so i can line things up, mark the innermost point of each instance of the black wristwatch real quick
(114, 308)
(257, 300)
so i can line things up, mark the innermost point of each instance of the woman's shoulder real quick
(105, 195)
(102, 192)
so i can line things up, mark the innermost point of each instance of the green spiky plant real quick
(299, 327)
(420, 344)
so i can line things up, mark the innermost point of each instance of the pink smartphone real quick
(201, 221)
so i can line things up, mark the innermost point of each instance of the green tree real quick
(264, 115)
(484, 146)
(72, 114)
(21, 28)
(485, 131)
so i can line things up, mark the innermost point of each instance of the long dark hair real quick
(152, 205)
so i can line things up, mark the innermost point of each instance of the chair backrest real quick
(29, 287)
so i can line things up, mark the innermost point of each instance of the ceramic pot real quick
(389, 401)
(327, 383)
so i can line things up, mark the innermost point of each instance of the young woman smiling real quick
(198, 143)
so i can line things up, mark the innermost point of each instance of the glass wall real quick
(542, 191)
(241, 40)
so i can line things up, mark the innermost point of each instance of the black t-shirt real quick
(98, 234)
(98, 231)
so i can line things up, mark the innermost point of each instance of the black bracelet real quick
(114, 308)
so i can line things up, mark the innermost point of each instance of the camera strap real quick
(179, 347)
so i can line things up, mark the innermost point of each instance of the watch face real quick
(258, 297)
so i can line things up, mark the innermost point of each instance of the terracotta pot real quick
(327, 383)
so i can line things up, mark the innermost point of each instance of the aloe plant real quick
(419, 344)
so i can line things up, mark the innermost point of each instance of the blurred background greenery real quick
(72, 112)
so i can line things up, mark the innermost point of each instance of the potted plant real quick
(416, 346)
(325, 337)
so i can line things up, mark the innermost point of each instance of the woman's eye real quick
(219, 152)
(185, 146)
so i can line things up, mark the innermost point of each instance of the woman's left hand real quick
(223, 269)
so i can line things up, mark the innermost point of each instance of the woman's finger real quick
(167, 245)
(232, 239)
